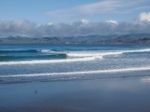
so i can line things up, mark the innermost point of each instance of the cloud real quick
(144, 16)
(100, 7)
(19, 27)
(113, 22)
(84, 21)
(97, 7)
(82, 27)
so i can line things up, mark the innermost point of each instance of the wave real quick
(91, 54)
(46, 61)
(74, 53)
(26, 51)
(81, 72)
(106, 53)
(25, 57)
(19, 51)
(74, 56)
(48, 51)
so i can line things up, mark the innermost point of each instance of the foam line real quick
(76, 56)
(47, 51)
(92, 54)
(47, 61)
(79, 72)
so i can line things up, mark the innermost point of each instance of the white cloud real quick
(82, 27)
(50, 23)
(87, 9)
(98, 8)
(144, 17)
(113, 22)
(17, 27)
(84, 21)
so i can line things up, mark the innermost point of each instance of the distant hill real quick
(89, 39)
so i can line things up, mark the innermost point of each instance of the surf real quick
(75, 56)
(109, 71)
(104, 53)
(47, 61)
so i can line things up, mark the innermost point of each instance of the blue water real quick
(43, 61)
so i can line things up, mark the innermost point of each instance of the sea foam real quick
(75, 56)
(46, 61)
(80, 72)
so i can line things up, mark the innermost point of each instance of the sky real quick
(20, 17)
(44, 11)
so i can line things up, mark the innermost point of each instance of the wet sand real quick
(96, 95)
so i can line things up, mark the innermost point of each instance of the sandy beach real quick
(95, 95)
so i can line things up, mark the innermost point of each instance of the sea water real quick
(44, 62)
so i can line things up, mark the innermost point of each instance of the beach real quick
(74, 78)
(126, 94)
(74, 56)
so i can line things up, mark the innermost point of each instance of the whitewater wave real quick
(48, 51)
(75, 56)
(102, 54)
(80, 72)
(96, 54)
(46, 61)
(26, 51)
(91, 54)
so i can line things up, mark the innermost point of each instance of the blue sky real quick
(39, 18)
(56, 11)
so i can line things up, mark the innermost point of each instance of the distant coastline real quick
(89, 39)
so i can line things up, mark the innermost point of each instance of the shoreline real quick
(27, 78)
(106, 95)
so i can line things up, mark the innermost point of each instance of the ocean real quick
(44, 62)
(74, 78)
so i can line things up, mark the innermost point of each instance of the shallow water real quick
(43, 62)
(105, 95)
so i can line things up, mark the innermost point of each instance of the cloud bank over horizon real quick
(82, 27)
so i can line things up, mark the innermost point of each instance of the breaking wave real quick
(72, 56)
(46, 61)
(111, 73)
(48, 64)
(102, 54)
